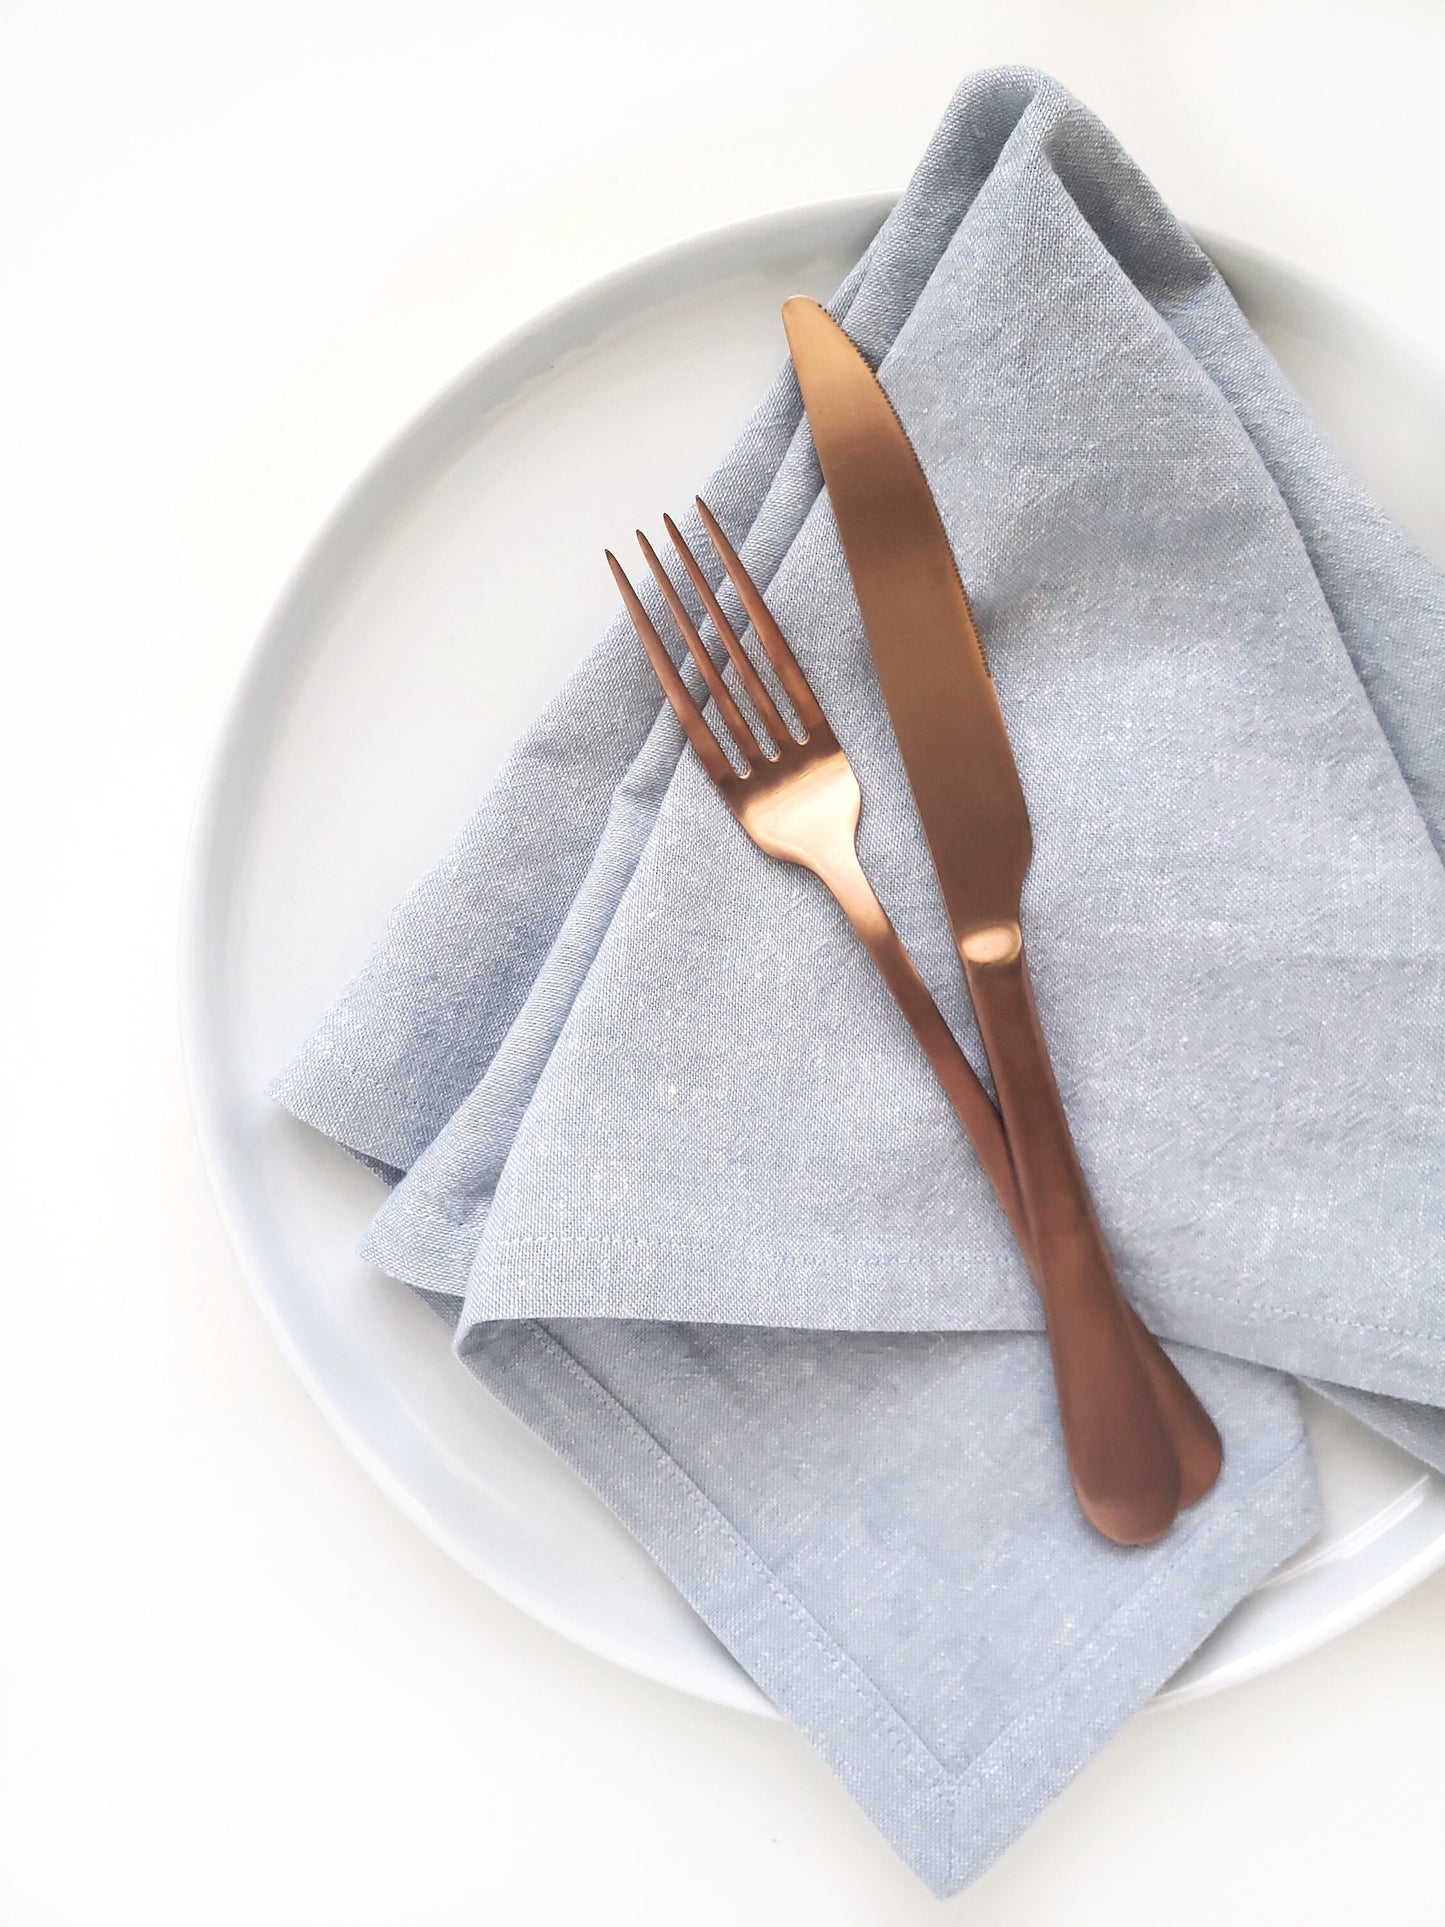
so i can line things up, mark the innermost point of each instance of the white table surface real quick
(242, 243)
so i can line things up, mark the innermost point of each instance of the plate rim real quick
(488, 381)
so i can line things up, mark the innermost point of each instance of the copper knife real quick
(1138, 1442)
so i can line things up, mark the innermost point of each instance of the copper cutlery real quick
(1139, 1444)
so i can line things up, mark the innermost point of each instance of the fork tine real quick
(742, 735)
(788, 668)
(709, 750)
(752, 682)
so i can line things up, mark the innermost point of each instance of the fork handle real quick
(1126, 1471)
(1195, 1437)
(970, 1102)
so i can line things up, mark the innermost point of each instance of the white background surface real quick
(241, 245)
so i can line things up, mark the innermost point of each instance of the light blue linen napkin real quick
(674, 1167)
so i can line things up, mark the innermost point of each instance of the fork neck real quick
(836, 865)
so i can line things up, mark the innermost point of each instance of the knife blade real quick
(930, 663)
(1137, 1438)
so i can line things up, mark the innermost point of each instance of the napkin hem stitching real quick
(886, 1717)
(957, 1780)
(1254, 1313)
(1195, 1548)
(296, 1090)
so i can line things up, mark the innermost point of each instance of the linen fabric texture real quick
(667, 1157)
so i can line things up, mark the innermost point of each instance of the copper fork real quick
(798, 799)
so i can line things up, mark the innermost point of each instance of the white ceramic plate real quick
(430, 621)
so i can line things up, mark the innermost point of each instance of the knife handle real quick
(1124, 1466)
(1196, 1439)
